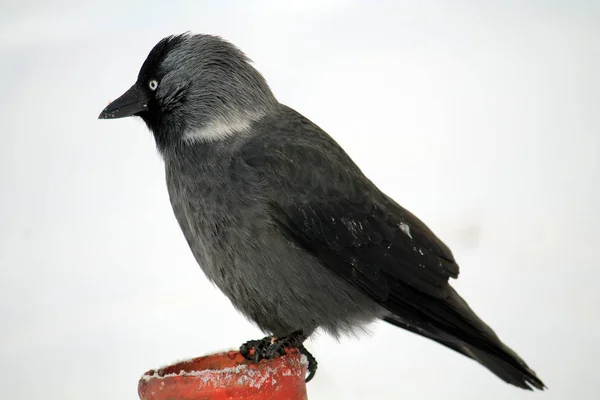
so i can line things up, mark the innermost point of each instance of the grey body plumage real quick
(267, 278)
(283, 222)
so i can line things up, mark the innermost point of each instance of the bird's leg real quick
(272, 347)
(278, 345)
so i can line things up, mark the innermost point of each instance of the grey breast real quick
(227, 225)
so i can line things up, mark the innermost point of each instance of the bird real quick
(282, 220)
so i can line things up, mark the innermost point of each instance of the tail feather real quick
(479, 343)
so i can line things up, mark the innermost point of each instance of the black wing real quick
(322, 202)
(321, 199)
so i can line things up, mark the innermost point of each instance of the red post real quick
(227, 376)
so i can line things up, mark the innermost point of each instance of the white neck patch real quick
(221, 127)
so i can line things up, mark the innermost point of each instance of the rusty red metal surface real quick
(227, 376)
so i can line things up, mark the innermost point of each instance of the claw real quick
(272, 347)
(312, 363)
(248, 349)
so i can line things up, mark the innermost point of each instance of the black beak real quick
(130, 103)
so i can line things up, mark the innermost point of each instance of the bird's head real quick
(194, 88)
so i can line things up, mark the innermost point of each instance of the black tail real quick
(478, 342)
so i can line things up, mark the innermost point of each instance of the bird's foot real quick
(272, 347)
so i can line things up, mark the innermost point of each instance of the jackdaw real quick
(282, 220)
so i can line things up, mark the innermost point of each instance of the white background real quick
(483, 120)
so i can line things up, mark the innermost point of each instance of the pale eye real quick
(153, 84)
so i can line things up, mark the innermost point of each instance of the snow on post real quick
(227, 376)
